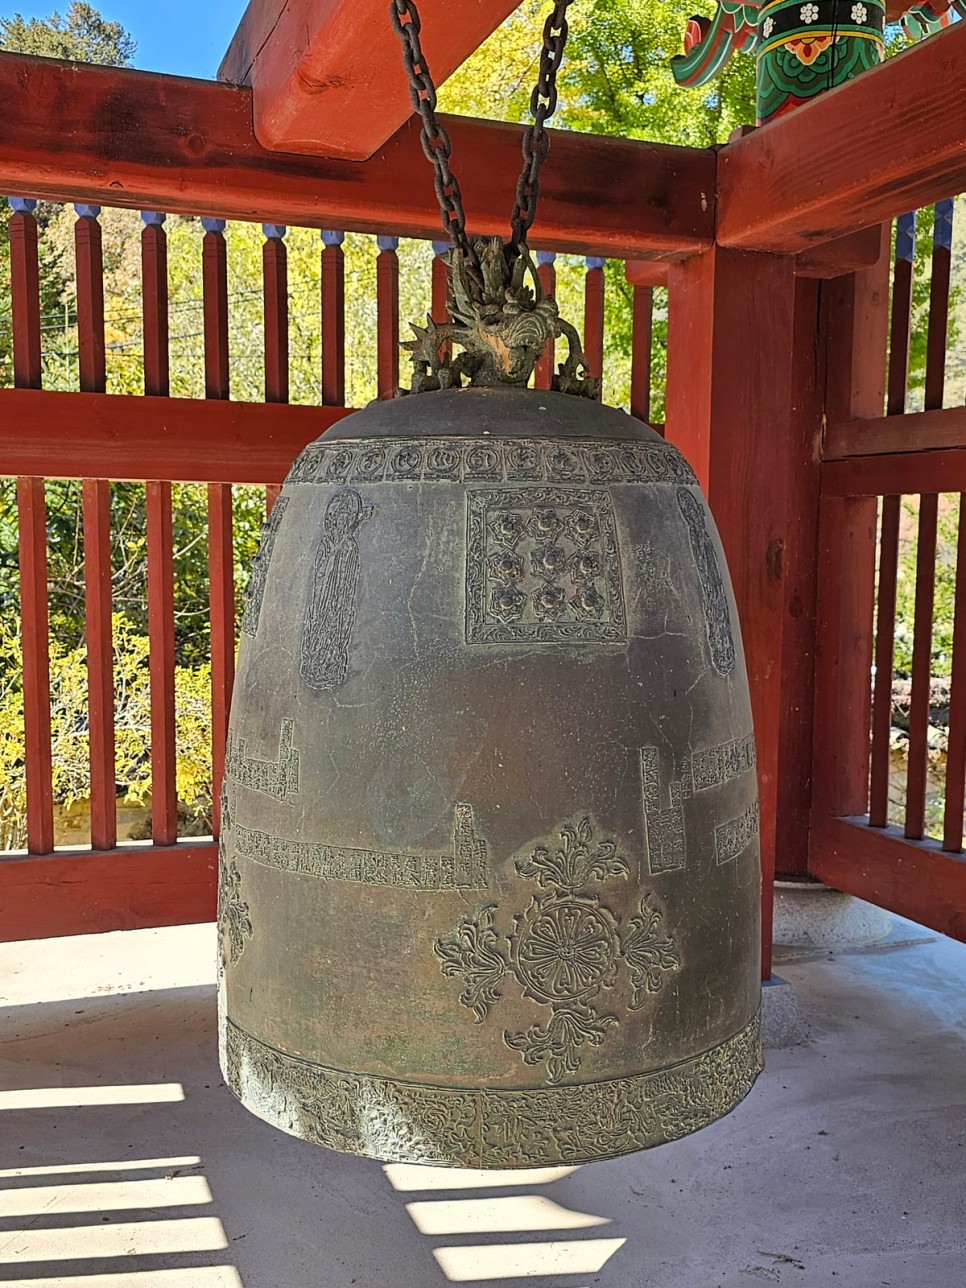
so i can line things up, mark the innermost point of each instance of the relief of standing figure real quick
(328, 622)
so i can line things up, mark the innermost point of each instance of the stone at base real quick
(810, 915)
(782, 1023)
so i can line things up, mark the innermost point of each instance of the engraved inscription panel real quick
(256, 582)
(542, 565)
(664, 821)
(277, 778)
(734, 836)
(404, 1121)
(506, 460)
(716, 615)
(327, 628)
(465, 867)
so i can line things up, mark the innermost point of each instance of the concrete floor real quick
(125, 1163)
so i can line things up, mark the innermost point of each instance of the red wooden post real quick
(899, 338)
(275, 294)
(25, 293)
(275, 312)
(855, 319)
(440, 282)
(154, 303)
(547, 273)
(387, 305)
(742, 404)
(333, 319)
(34, 637)
(89, 262)
(956, 756)
(157, 501)
(440, 289)
(641, 350)
(32, 531)
(594, 315)
(221, 562)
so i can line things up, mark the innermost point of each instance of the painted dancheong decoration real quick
(801, 48)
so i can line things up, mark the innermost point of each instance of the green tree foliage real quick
(70, 736)
(82, 34)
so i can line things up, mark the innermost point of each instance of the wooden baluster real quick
(547, 273)
(956, 754)
(916, 780)
(275, 310)
(641, 348)
(387, 325)
(333, 319)
(32, 532)
(900, 332)
(89, 262)
(25, 293)
(440, 292)
(160, 543)
(220, 526)
(594, 315)
(921, 667)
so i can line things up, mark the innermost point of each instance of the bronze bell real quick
(490, 886)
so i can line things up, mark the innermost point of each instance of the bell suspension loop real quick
(501, 323)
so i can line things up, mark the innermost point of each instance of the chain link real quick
(433, 135)
(536, 141)
(436, 143)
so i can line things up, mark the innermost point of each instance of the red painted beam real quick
(153, 142)
(84, 892)
(898, 473)
(914, 879)
(916, 431)
(327, 75)
(892, 140)
(180, 440)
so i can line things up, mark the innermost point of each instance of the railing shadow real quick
(128, 1164)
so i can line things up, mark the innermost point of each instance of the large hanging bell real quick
(489, 880)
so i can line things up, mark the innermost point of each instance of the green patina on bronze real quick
(802, 47)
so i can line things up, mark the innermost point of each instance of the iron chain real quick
(436, 143)
(433, 135)
(536, 141)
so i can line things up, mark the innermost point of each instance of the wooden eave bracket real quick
(327, 76)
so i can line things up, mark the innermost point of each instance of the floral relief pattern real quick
(564, 949)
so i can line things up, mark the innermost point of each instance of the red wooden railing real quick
(776, 292)
(95, 436)
(890, 471)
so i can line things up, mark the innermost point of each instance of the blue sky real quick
(183, 37)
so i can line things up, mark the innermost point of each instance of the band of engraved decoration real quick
(464, 868)
(736, 834)
(256, 582)
(276, 778)
(528, 1127)
(664, 828)
(716, 615)
(497, 460)
(542, 565)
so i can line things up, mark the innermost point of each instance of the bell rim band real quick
(304, 1097)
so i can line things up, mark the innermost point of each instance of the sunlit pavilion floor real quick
(125, 1162)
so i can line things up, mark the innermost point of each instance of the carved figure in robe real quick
(327, 628)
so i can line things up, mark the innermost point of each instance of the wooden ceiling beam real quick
(892, 140)
(327, 76)
(117, 137)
